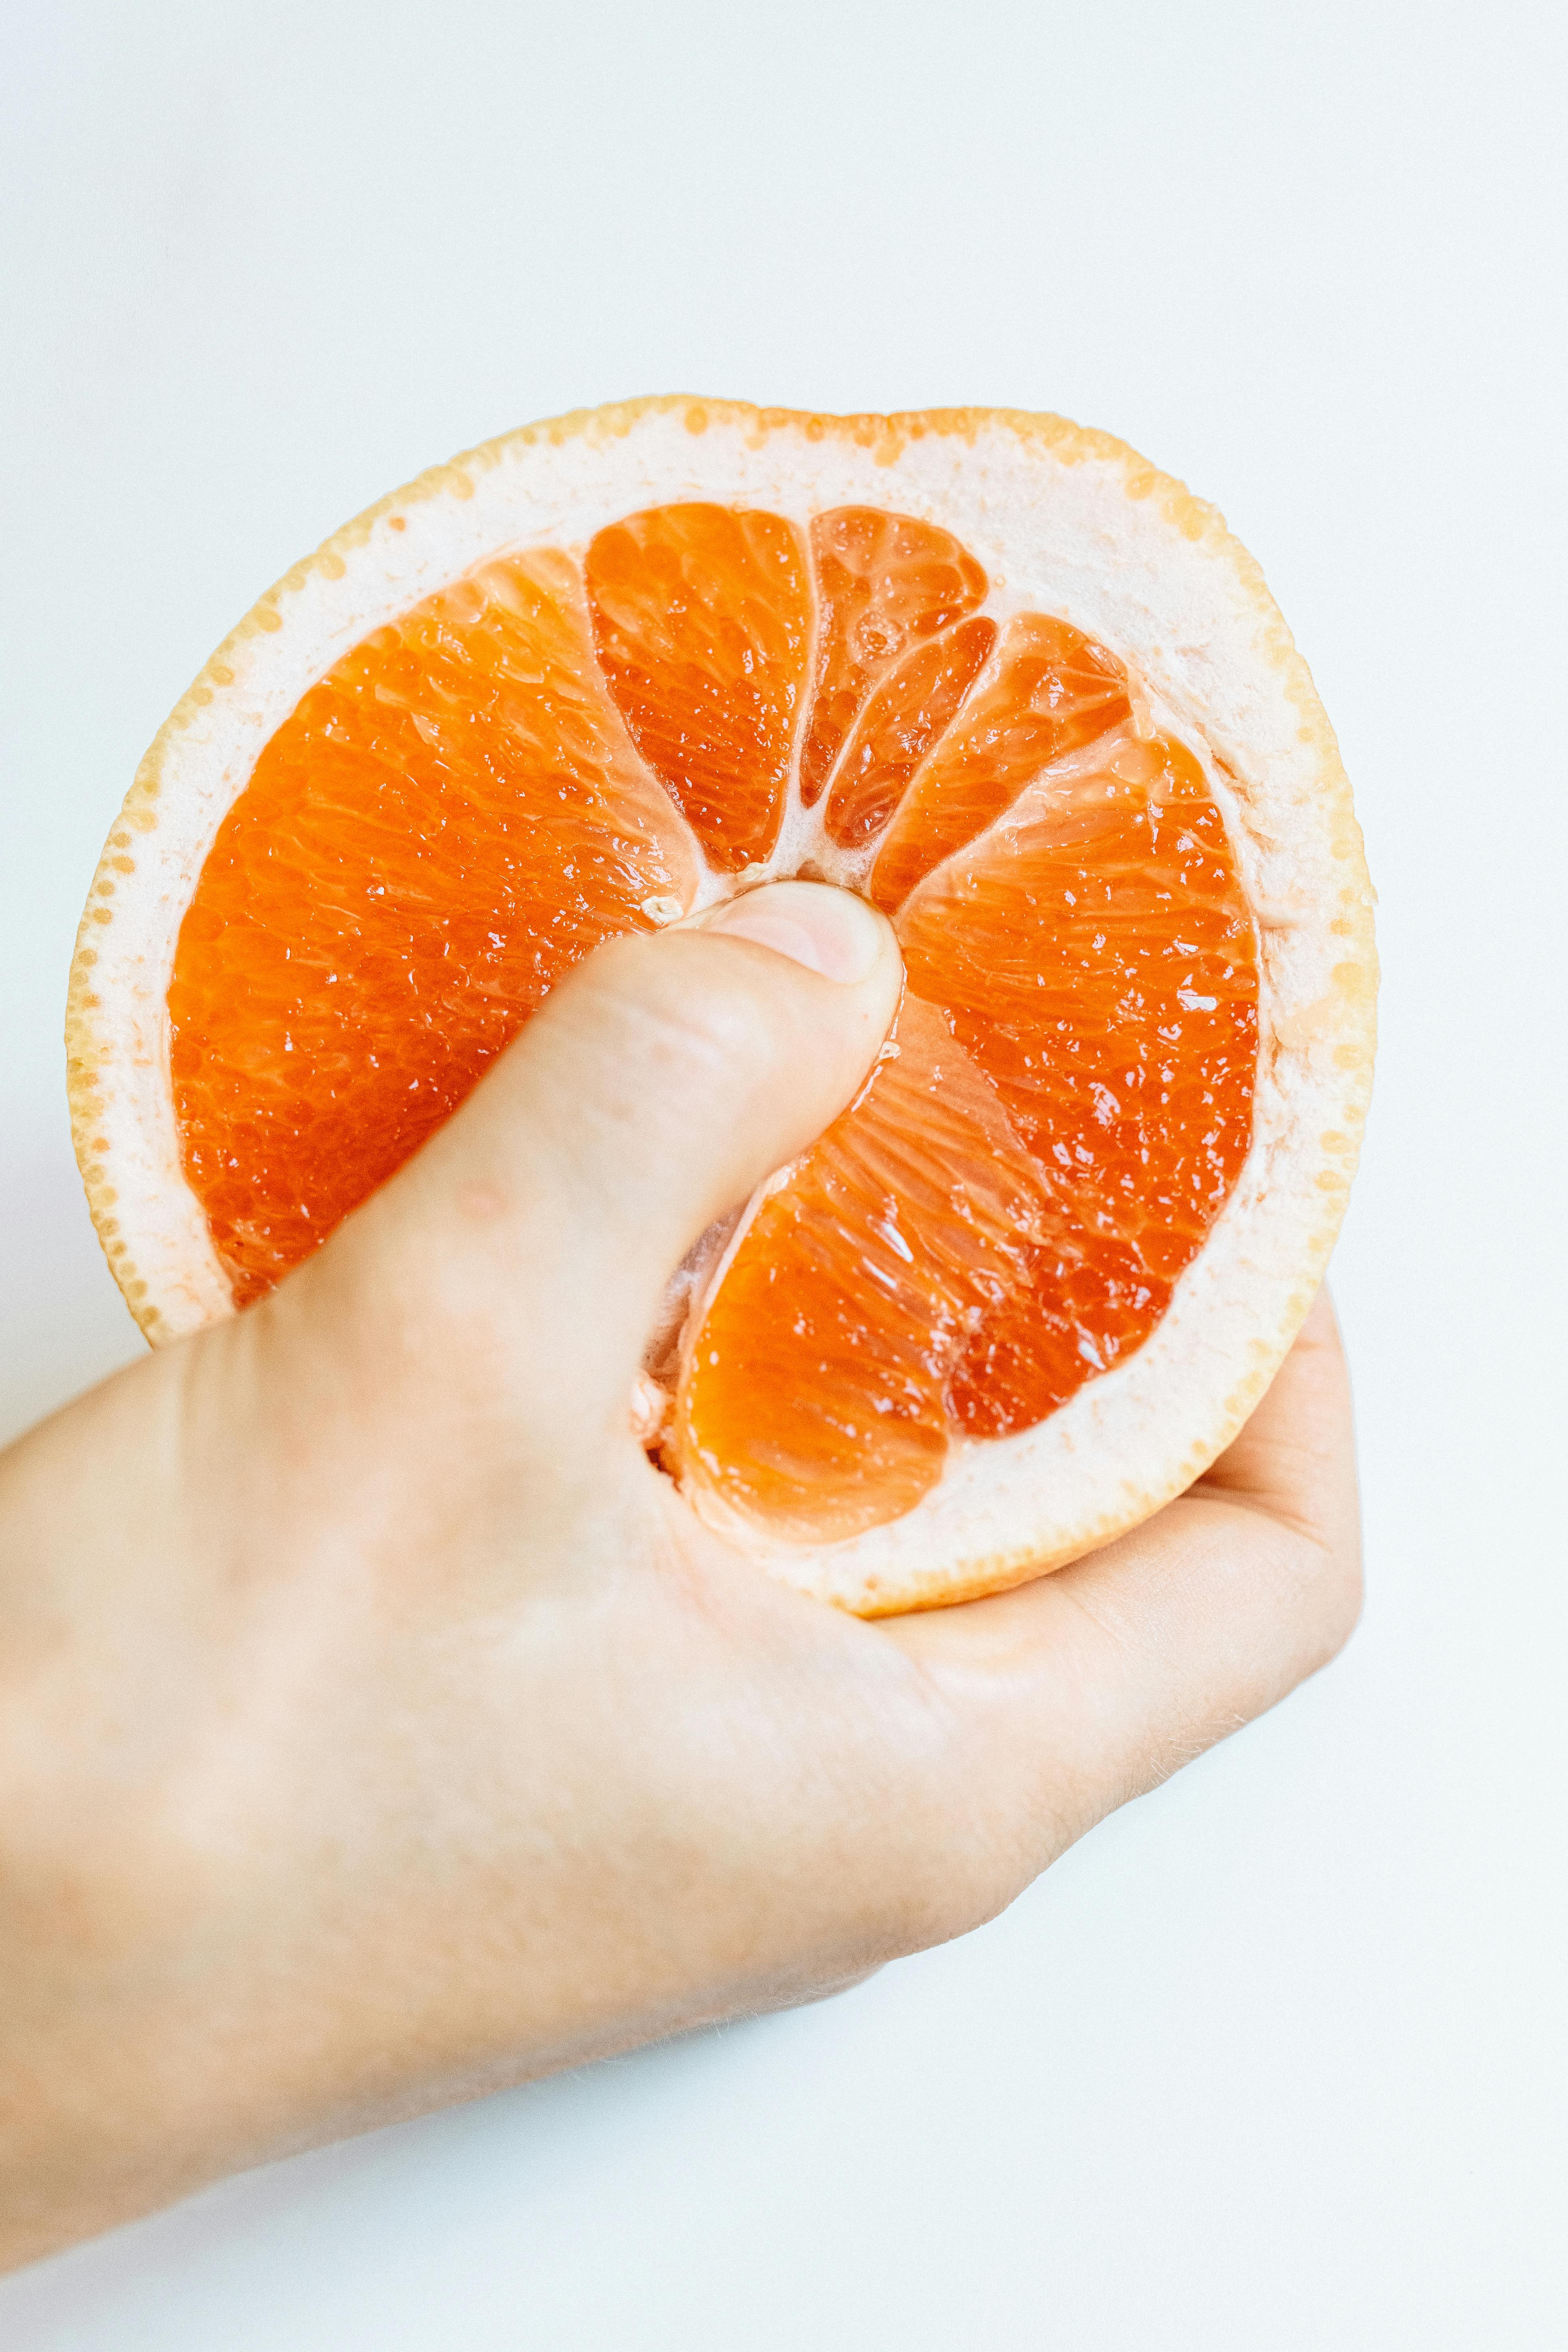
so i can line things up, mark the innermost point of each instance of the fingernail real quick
(827, 929)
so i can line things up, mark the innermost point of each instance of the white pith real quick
(1063, 524)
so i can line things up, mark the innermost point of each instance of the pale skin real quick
(377, 1728)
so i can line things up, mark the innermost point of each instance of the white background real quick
(1275, 2060)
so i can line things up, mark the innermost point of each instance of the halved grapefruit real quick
(996, 674)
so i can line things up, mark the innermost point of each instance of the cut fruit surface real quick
(448, 822)
(1081, 1032)
(1030, 1280)
(702, 623)
(815, 1394)
(1096, 957)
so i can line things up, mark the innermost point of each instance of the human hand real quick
(375, 1729)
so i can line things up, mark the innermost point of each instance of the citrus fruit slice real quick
(1022, 692)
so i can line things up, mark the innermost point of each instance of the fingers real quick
(650, 1094)
(1295, 1459)
(1103, 1678)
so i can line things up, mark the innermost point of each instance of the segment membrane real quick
(1054, 691)
(884, 584)
(908, 713)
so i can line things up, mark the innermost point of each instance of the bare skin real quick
(376, 1727)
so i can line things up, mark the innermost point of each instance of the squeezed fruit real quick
(550, 753)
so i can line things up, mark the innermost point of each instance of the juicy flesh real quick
(550, 753)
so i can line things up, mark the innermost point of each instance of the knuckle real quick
(1341, 1591)
(975, 1854)
(968, 1880)
(1317, 1583)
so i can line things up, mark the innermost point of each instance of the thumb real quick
(652, 1091)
